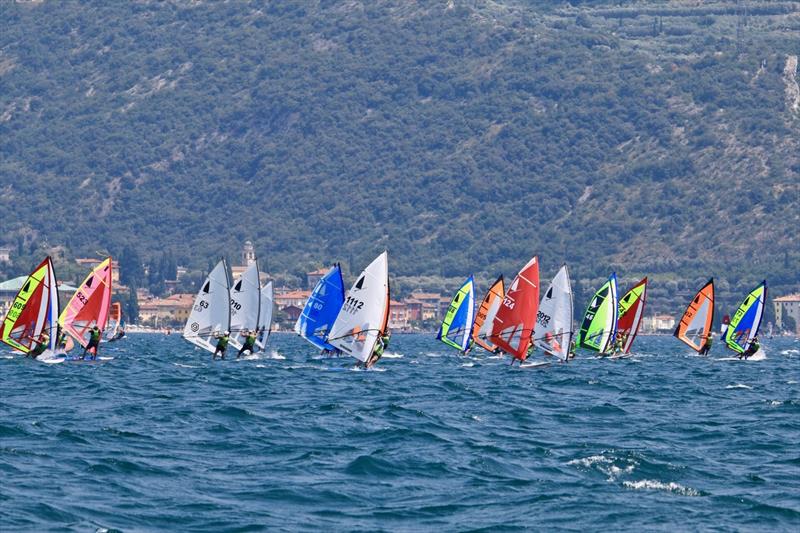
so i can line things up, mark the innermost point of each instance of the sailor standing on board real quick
(94, 342)
(222, 345)
(380, 347)
(41, 346)
(61, 339)
(249, 344)
(707, 345)
(751, 350)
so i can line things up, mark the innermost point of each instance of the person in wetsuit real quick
(94, 342)
(41, 346)
(249, 344)
(222, 345)
(707, 345)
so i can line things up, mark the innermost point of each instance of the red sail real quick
(516, 318)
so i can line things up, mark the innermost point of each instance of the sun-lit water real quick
(162, 438)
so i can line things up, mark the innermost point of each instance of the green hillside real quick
(658, 137)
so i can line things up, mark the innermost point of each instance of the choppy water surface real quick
(163, 438)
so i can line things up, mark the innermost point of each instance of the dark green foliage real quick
(131, 306)
(461, 140)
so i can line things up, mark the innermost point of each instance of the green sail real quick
(600, 320)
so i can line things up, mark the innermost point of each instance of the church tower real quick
(248, 254)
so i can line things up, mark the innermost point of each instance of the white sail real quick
(265, 317)
(245, 305)
(365, 311)
(488, 322)
(54, 308)
(211, 313)
(553, 331)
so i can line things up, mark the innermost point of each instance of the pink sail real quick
(90, 304)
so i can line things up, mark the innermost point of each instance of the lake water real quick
(162, 438)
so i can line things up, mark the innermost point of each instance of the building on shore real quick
(658, 324)
(312, 278)
(787, 310)
(173, 310)
(5, 254)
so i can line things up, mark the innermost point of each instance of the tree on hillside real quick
(131, 272)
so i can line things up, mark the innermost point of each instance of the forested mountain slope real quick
(657, 137)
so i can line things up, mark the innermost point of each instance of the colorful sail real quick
(599, 325)
(211, 313)
(245, 305)
(747, 319)
(553, 330)
(365, 313)
(694, 326)
(513, 324)
(265, 316)
(484, 318)
(321, 309)
(90, 304)
(114, 320)
(456, 328)
(34, 311)
(631, 312)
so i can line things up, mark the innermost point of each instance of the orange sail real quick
(90, 304)
(484, 318)
(695, 324)
(513, 325)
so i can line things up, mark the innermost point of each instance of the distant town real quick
(419, 311)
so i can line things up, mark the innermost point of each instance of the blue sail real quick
(456, 328)
(321, 309)
(747, 319)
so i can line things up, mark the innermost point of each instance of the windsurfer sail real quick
(265, 316)
(321, 309)
(114, 321)
(365, 313)
(90, 305)
(747, 320)
(599, 325)
(211, 313)
(484, 318)
(694, 326)
(553, 330)
(34, 311)
(245, 305)
(456, 328)
(631, 312)
(513, 324)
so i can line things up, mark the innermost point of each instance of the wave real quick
(651, 484)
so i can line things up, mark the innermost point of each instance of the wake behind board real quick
(760, 355)
(76, 360)
(537, 364)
